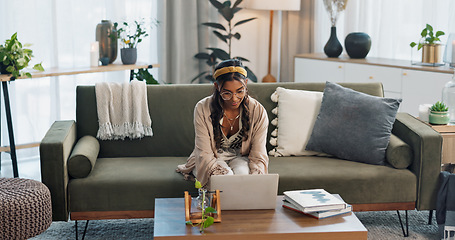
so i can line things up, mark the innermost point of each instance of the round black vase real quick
(333, 47)
(357, 44)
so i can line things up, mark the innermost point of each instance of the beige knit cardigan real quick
(202, 162)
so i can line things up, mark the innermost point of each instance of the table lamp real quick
(283, 5)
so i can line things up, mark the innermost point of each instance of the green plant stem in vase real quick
(206, 219)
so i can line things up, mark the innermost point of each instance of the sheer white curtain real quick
(392, 25)
(60, 32)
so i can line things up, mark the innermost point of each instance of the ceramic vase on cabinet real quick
(333, 47)
(106, 35)
(357, 44)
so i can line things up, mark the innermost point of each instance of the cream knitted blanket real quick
(122, 110)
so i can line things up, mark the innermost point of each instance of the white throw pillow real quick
(297, 113)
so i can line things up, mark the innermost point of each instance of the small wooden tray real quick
(196, 217)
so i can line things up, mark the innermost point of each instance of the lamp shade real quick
(284, 5)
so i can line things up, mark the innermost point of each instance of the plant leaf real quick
(236, 10)
(251, 75)
(244, 21)
(237, 35)
(220, 53)
(188, 223)
(237, 3)
(210, 210)
(197, 184)
(420, 46)
(439, 33)
(424, 32)
(215, 25)
(227, 13)
(38, 67)
(202, 55)
(220, 36)
(242, 59)
(413, 44)
(216, 4)
(208, 222)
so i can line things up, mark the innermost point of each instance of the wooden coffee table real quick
(280, 223)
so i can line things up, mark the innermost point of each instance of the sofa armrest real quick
(426, 145)
(55, 149)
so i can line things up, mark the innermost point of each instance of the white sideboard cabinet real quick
(414, 84)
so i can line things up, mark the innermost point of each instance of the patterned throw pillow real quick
(296, 114)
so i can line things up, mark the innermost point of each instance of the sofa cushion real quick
(353, 125)
(296, 113)
(398, 153)
(83, 157)
(355, 182)
(128, 184)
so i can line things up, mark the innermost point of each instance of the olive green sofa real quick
(130, 174)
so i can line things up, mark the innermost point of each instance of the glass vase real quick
(448, 97)
(202, 199)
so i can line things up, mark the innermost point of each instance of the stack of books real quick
(317, 203)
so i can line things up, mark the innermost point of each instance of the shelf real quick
(53, 72)
(385, 62)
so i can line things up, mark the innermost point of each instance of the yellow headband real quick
(225, 70)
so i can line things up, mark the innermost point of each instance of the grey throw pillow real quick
(352, 125)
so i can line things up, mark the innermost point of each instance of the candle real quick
(94, 54)
(424, 112)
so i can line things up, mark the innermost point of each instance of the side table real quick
(448, 146)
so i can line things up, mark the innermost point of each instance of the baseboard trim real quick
(100, 215)
(383, 206)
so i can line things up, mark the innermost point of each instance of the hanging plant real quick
(226, 35)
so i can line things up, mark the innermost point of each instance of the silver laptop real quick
(242, 192)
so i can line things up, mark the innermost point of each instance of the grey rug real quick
(380, 225)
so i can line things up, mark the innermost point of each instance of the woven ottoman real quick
(25, 208)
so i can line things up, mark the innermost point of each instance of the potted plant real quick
(226, 35)
(14, 57)
(439, 114)
(130, 35)
(429, 41)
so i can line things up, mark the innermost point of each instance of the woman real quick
(231, 128)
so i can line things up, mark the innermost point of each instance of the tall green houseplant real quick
(226, 35)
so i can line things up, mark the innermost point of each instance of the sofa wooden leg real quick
(85, 230)
(405, 233)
